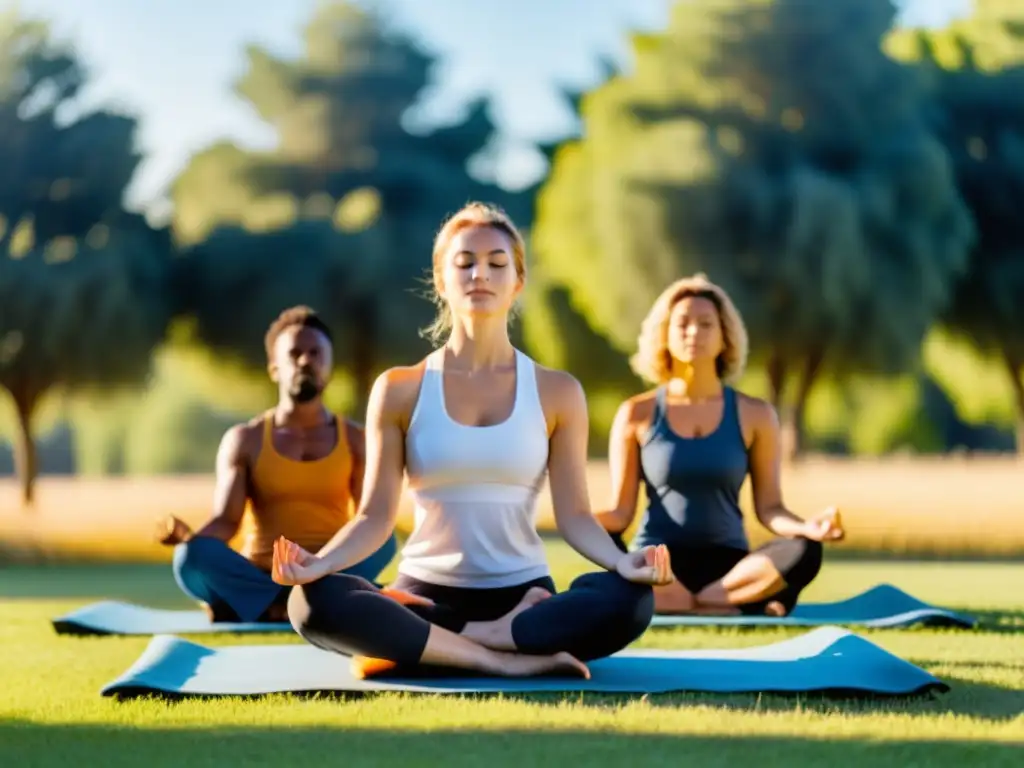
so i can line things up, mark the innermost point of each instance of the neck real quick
(694, 382)
(479, 344)
(301, 415)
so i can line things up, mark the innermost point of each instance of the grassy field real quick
(897, 506)
(51, 712)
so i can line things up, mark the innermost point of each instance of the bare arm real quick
(229, 497)
(567, 472)
(624, 466)
(765, 477)
(385, 463)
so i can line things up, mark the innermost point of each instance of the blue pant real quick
(209, 571)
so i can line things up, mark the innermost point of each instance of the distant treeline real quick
(854, 185)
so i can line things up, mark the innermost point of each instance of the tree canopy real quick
(83, 283)
(341, 214)
(776, 147)
(977, 71)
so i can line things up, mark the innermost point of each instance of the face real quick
(694, 330)
(302, 363)
(479, 275)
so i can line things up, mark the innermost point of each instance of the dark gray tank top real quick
(693, 484)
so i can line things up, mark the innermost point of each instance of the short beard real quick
(305, 392)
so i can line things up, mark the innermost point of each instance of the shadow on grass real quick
(1010, 622)
(152, 584)
(966, 697)
(45, 745)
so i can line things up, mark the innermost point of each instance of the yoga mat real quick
(879, 607)
(112, 617)
(828, 659)
(883, 606)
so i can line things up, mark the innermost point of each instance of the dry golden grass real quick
(944, 506)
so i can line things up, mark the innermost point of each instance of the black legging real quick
(599, 614)
(798, 560)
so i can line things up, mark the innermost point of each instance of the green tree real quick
(776, 147)
(554, 329)
(978, 111)
(83, 284)
(344, 160)
(310, 262)
(79, 315)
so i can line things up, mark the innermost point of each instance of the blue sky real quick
(518, 51)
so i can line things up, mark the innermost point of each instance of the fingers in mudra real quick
(658, 559)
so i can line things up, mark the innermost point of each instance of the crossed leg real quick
(725, 581)
(599, 614)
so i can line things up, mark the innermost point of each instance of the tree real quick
(309, 262)
(79, 315)
(774, 146)
(557, 335)
(555, 330)
(83, 292)
(338, 111)
(978, 111)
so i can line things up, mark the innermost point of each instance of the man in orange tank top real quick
(298, 469)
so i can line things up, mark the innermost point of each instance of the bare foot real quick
(673, 599)
(277, 612)
(522, 665)
(218, 613)
(775, 608)
(497, 634)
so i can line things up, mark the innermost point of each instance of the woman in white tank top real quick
(477, 426)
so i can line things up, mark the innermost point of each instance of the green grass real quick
(51, 712)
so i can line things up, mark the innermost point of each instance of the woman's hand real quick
(293, 565)
(650, 565)
(828, 526)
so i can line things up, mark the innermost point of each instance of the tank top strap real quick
(432, 382)
(434, 360)
(527, 403)
(267, 452)
(341, 446)
(731, 414)
(430, 398)
(660, 408)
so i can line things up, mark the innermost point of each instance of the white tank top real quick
(475, 489)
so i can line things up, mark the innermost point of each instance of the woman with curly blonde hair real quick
(692, 441)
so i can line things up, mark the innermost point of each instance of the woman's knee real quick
(320, 606)
(808, 564)
(630, 605)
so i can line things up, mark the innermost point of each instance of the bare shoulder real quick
(559, 390)
(561, 398)
(396, 390)
(243, 440)
(756, 412)
(637, 409)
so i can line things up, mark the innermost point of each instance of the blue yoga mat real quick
(883, 606)
(880, 607)
(112, 617)
(828, 659)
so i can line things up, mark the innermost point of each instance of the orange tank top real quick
(304, 501)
